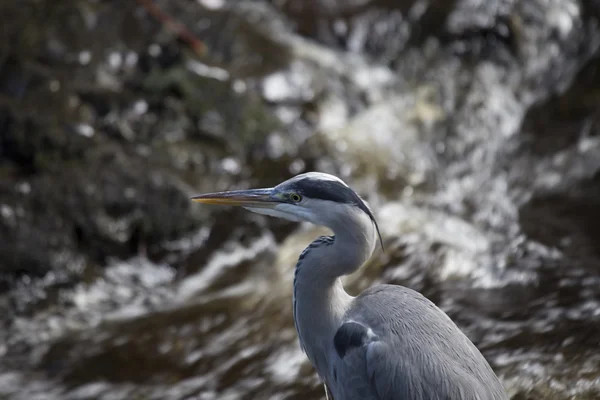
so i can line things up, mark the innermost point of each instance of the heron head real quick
(315, 197)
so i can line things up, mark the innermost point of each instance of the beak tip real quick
(197, 199)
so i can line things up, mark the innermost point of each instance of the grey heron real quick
(389, 342)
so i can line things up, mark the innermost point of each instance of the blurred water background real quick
(470, 126)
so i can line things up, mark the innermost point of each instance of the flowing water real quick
(470, 127)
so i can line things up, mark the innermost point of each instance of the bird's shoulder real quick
(384, 307)
(390, 314)
(409, 347)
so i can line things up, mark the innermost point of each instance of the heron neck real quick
(320, 300)
(320, 303)
(355, 239)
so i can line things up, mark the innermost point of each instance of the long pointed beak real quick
(257, 198)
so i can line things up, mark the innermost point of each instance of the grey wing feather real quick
(398, 345)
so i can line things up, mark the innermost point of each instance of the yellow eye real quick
(295, 197)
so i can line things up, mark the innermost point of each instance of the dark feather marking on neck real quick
(319, 242)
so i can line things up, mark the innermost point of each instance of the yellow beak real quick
(263, 198)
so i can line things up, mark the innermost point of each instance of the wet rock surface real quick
(471, 127)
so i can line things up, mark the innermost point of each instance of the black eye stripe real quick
(326, 190)
(333, 191)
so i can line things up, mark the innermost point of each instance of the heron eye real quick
(295, 197)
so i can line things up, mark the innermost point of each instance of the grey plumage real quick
(417, 353)
(388, 343)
